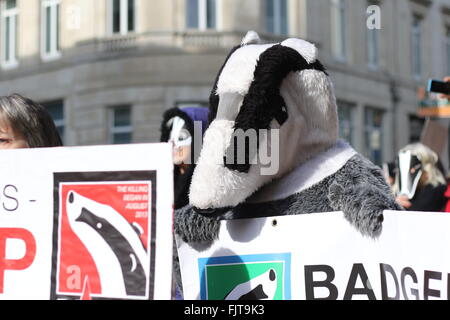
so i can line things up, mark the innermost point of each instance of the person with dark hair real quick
(26, 124)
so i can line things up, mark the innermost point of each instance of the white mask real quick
(179, 134)
(409, 173)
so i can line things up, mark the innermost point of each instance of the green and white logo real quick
(249, 277)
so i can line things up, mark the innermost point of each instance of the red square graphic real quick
(104, 239)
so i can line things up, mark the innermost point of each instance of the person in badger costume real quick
(281, 87)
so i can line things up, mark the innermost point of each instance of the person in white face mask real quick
(178, 128)
(419, 182)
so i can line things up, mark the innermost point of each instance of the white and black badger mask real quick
(409, 172)
(281, 92)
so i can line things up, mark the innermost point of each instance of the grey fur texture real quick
(358, 189)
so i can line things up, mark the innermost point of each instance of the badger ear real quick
(251, 38)
(305, 48)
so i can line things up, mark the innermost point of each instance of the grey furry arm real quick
(193, 227)
(360, 191)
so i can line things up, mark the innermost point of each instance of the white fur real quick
(305, 48)
(213, 185)
(237, 75)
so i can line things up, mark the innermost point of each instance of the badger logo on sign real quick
(104, 239)
(262, 287)
(114, 245)
(246, 277)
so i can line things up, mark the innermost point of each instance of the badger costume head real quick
(278, 95)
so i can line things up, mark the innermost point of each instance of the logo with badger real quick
(247, 277)
(104, 235)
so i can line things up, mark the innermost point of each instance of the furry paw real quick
(192, 227)
(363, 206)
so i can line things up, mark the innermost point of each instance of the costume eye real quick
(184, 135)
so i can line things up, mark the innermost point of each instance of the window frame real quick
(369, 128)
(277, 17)
(416, 46)
(351, 108)
(373, 49)
(59, 122)
(55, 29)
(13, 37)
(112, 129)
(373, 43)
(339, 29)
(123, 27)
(202, 16)
(447, 47)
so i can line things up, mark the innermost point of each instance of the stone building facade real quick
(107, 69)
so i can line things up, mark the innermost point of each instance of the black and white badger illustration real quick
(279, 87)
(114, 245)
(262, 287)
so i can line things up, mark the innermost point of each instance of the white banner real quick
(85, 222)
(321, 256)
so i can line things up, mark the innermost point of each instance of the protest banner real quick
(321, 256)
(86, 222)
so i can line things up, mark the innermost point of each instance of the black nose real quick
(71, 197)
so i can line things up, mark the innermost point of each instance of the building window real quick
(416, 126)
(373, 46)
(346, 120)
(9, 13)
(374, 135)
(50, 29)
(123, 16)
(276, 16)
(201, 14)
(339, 28)
(416, 46)
(56, 110)
(121, 130)
(447, 49)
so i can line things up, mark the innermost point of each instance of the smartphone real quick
(438, 86)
